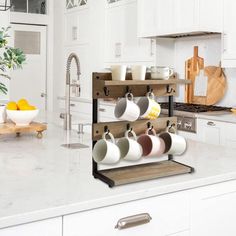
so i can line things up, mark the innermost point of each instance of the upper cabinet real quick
(178, 17)
(229, 34)
(122, 42)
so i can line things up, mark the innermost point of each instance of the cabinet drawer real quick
(170, 214)
(52, 227)
(81, 107)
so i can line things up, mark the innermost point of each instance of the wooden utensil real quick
(217, 84)
(192, 69)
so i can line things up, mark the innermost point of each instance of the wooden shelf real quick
(146, 82)
(118, 128)
(133, 174)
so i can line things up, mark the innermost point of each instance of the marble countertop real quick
(223, 116)
(39, 179)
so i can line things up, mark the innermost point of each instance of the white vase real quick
(2, 114)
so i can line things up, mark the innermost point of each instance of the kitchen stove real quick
(186, 114)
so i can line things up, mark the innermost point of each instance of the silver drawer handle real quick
(133, 221)
(102, 110)
(210, 123)
(72, 105)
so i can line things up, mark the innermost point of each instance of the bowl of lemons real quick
(21, 112)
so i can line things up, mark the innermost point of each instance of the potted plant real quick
(10, 59)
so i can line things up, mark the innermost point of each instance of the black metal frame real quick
(107, 180)
(6, 7)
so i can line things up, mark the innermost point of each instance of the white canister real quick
(2, 114)
(139, 72)
(118, 72)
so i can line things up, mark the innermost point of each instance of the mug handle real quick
(129, 96)
(150, 95)
(110, 135)
(169, 128)
(171, 72)
(131, 132)
(152, 130)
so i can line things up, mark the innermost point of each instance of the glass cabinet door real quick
(37, 6)
(29, 6)
(75, 3)
(19, 5)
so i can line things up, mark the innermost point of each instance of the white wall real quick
(210, 50)
(4, 22)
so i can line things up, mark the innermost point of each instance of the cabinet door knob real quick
(211, 123)
(133, 221)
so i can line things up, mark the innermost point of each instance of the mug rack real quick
(105, 88)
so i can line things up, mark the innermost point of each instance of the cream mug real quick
(174, 144)
(106, 152)
(130, 149)
(139, 72)
(118, 72)
(151, 144)
(149, 108)
(158, 72)
(126, 109)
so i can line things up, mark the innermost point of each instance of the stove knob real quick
(188, 125)
(179, 124)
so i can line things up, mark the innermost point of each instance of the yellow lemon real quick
(31, 108)
(22, 102)
(12, 106)
(27, 108)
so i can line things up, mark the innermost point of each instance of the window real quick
(75, 3)
(29, 6)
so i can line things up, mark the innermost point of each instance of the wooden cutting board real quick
(216, 81)
(192, 69)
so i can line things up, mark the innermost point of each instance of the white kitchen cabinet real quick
(51, 227)
(122, 42)
(76, 23)
(106, 112)
(173, 17)
(184, 15)
(229, 34)
(170, 215)
(185, 233)
(210, 131)
(214, 210)
(147, 18)
(216, 132)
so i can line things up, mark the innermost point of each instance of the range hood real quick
(187, 34)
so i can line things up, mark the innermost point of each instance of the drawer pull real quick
(102, 110)
(72, 105)
(210, 123)
(133, 221)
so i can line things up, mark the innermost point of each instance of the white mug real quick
(130, 149)
(2, 114)
(118, 72)
(174, 144)
(139, 72)
(126, 109)
(149, 108)
(106, 152)
(158, 72)
(151, 144)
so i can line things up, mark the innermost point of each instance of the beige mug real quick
(130, 149)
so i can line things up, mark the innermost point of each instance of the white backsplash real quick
(210, 50)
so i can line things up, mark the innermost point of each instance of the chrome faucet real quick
(67, 115)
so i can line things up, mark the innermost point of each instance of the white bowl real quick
(22, 118)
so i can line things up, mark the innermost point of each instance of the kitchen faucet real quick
(67, 115)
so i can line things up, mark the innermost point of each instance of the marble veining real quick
(40, 179)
